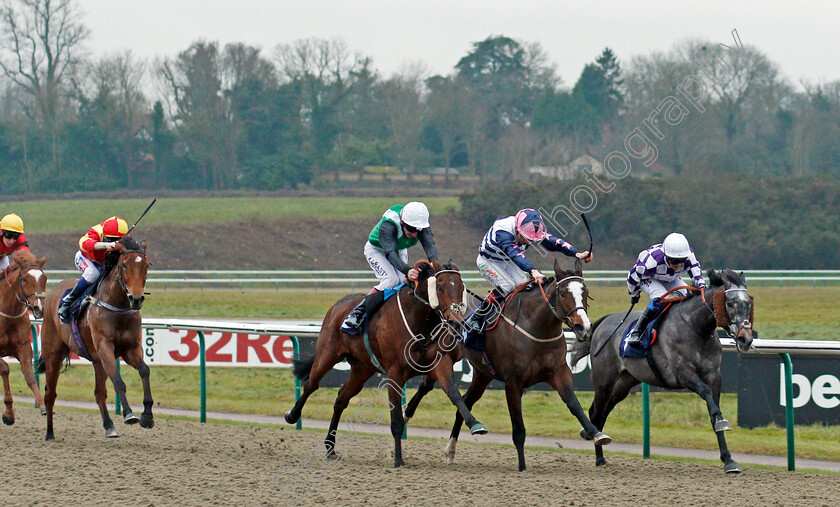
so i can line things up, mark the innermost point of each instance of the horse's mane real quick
(717, 278)
(130, 243)
(23, 257)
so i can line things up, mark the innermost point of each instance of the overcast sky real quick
(803, 38)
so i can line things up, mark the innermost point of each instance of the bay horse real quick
(22, 289)
(526, 347)
(686, 353)
(399, 350)
(110, 328)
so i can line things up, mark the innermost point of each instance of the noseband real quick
(461, 307)
(24, 300)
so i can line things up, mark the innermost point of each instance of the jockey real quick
(13, 239)
(91, 257)
(501, 257)
(658, 270)
(387, 254)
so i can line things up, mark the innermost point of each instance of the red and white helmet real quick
(529, 224)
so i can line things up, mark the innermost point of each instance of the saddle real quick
(648, 336)
(77, 311)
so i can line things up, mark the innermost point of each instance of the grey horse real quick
(686, 353)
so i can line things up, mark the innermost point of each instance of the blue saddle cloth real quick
(648, 337)
(76, 312)
(364, 325)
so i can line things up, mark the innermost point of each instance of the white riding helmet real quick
(676, 246)
(415, 214)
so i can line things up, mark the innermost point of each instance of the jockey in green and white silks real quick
(386, 251)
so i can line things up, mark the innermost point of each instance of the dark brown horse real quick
(528, 346)
(406, 341)
(22, 287)
(110, 328)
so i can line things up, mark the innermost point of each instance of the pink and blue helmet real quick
(529, 224)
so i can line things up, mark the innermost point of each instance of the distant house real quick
(573, 169)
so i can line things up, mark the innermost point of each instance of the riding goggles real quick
(411, 229)
(11, 235)
(675, 260)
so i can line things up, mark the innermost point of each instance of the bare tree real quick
(42, 44)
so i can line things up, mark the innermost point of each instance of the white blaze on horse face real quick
(36, 274)
(576, 288)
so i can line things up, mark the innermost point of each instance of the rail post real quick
(203, 373)
(35, 351)
(791, 452)
(295, 355)
(117, 405)
(646, 419)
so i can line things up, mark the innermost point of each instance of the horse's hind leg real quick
(9, 413)
(322, 363)
(423, 389)
(52, 368)
(561, 381)
(513, 393)
(474, 392)
(134, 358)
(607, 396)
(358, 376)
(108, 360)
(100, 391)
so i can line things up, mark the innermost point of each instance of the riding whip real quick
(586, 223)
(141, 217)
(614, 330)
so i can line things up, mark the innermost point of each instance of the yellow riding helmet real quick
(12, 223)
(114, 227)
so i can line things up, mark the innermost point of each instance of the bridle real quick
(135, 305)
(24, 300)
(567, 316)
(460, 308)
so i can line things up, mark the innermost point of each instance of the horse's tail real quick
(581, 350)
(301, 367)
(38, 365)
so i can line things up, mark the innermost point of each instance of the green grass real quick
(77, 215)
(677, 419)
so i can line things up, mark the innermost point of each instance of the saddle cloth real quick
(648, 337)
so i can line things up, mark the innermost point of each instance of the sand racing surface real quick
(188, 463)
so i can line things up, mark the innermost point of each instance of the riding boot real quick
(647, 315)
(475, 324)
(353, 323)
(72, 297)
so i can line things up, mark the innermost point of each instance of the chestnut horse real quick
(526, 347)
(399, 349)
(109, 329)
(22, 288)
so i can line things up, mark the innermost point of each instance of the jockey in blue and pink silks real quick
(659, 269)
(501, 257)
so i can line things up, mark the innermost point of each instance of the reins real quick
(121, 282)
(566, 315)
(25, 299)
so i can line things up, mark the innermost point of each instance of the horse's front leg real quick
(395, 393)
(24, 355)
(134, 358)
(109, 364)
(425, 388)
(695, 384)
(9, 413)
(561, 381)
(444, 374)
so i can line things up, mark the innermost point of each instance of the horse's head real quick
(31, 282)
(571, 297)
(447, 293)
(733, 306)
(132, 267)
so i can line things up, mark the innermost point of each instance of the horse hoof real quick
(44, 410)
(478, 429)
(49, 437)
(8, 421)
(130, 418)
(522, 468)
(584, 435)
(289, 419)
(599, 462)
(602, 438)
(112, 432)
(722, 425)
(732, 468)
(399, 463)
(147, 422)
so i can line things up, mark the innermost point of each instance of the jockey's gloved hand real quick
(537, 276)
(104, 245)
(634, 299)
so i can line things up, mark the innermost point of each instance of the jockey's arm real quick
(507, 242)
(637, 273)
(695, 271)
(428, 241)
(388, 240)
(555, 244)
